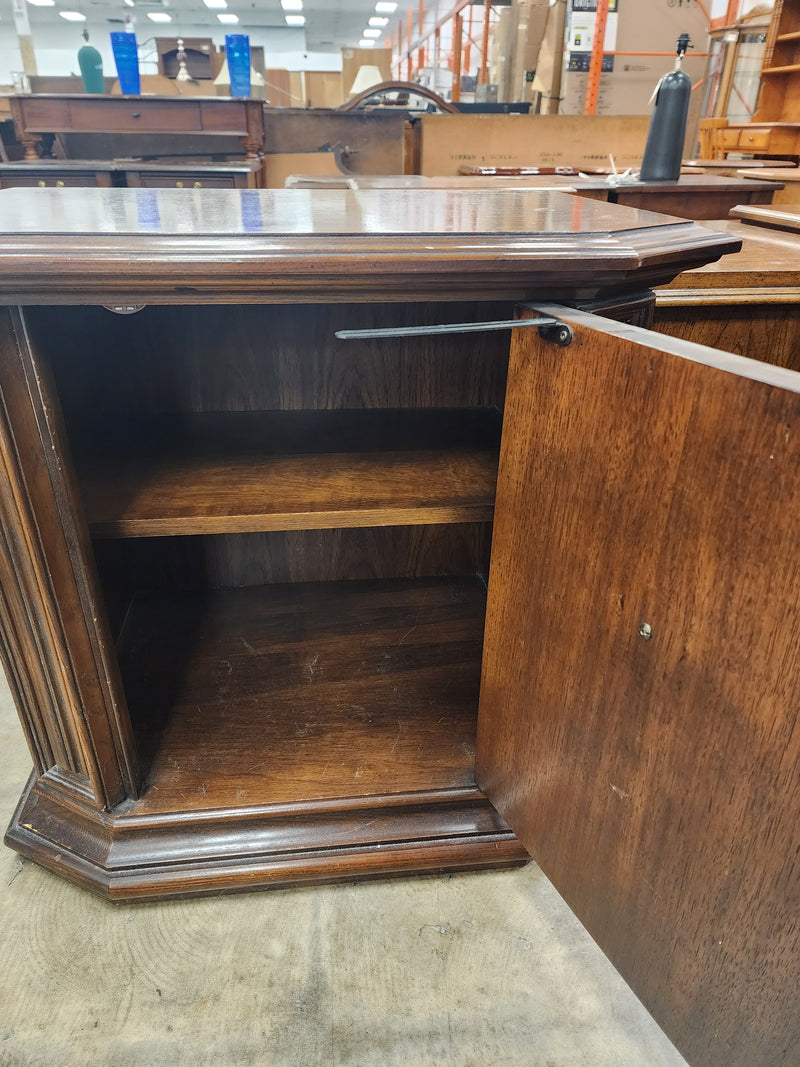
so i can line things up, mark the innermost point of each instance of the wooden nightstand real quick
(246, 546)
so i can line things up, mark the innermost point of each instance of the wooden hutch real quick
(774, 129)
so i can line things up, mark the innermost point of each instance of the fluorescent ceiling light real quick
(372, 33)
(216, 3)
(364, 43)
(159, 16)
(73, 16)
(292, 5)
(43, 3)
(228, 18)
(374, 21)
(295, 20)
(388, 9)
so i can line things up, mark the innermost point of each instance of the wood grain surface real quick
(767, 258)
(638, 724)
(54, 638)
(750, 323)
(144, 246)
(166, 360)
(296, 692)
(251, 472)
(748, 303)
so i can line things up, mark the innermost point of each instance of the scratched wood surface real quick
(655, 778)
(304, 692)
(292, 470)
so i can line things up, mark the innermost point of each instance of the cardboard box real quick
(448, 142)
(278, 167)
(638, 27)
(323, 88)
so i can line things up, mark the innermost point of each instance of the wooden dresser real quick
(261, 457)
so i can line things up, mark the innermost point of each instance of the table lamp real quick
(367, 77)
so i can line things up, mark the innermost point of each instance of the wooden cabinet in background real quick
(139, 116)
(62, 173)
(774, 129)
(246, 546)
(747, 303)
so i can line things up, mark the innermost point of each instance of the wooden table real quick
(790, 191)
(737, 168)
(702, 196)
(694, 196)
(244, 562)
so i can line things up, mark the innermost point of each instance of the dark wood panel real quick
(696, 204)
(373, 142)
(300, 470)
(640, 690)
(128, 116)
(165, 360)
(64, 672)
(765, 331)
(237, 560)
(198, 180)
(279, 694)
(142, 116)
(39, 179)
(175, 855)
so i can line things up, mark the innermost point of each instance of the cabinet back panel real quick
(267, 358)
(234, 560)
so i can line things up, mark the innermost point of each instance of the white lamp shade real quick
(365, 79)
(224, 78)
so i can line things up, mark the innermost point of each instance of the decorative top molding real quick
(167, 246)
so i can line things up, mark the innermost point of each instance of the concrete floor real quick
(474, 970)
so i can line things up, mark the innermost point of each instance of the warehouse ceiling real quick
(329, 26)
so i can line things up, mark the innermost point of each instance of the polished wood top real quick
(768, 258)
(686, 183)
(777, 174)
(746, 165)
(149, 245)
(279, 212)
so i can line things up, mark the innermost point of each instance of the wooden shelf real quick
(794, 36)
(255, 472)
(790, 68)
(281, 694)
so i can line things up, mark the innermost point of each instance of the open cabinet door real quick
(641, 680)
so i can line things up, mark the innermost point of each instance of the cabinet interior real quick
(291, 537)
